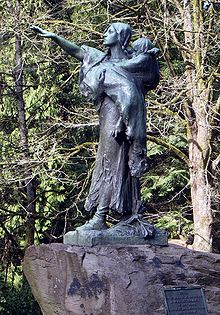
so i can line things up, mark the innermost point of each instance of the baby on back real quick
(125, 81)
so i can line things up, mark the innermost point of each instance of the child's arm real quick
(134, 64)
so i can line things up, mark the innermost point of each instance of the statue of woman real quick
(115, 81)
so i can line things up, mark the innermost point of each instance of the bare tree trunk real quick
(28, 181)
(198, 129)
(200, 187)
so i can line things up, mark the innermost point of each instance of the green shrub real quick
(16, 298)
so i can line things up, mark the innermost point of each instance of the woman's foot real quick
(96, 223)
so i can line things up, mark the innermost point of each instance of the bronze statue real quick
(116, 81)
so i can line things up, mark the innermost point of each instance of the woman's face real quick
(110, 37)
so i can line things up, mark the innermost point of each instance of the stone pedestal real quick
(117, 280)
(107, 237)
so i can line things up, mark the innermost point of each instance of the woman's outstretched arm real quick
(71, 48)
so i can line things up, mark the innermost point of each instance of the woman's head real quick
(118, 33)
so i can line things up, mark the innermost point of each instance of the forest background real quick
(49, 132)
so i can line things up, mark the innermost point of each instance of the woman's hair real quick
(124, 33)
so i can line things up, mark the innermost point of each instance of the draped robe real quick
(119, 162)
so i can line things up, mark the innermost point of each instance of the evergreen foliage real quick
(17, 299)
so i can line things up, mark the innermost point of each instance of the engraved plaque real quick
(185, 301)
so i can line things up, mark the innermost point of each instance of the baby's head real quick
(142, 45)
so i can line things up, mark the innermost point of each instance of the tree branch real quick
(174, 150)
(215, 163)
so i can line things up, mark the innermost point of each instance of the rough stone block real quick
(117, 280)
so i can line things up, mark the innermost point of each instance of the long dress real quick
(113, 184)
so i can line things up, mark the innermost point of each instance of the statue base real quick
(109, 237)
(132, 231)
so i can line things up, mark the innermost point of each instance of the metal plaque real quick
(185, 301)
